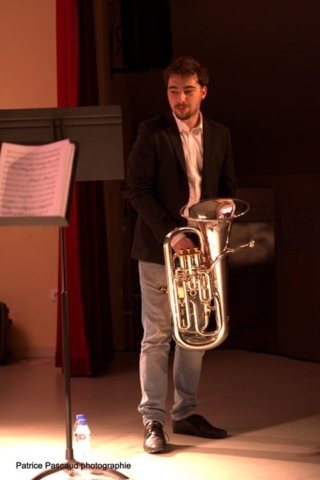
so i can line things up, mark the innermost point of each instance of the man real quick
(178, 158)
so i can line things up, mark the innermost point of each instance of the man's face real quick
(185, 96)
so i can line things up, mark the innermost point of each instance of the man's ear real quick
(203, 92)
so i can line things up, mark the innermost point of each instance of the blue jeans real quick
(154, 355)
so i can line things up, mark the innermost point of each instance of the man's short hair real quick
(186, 66)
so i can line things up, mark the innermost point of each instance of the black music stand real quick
(97, 133)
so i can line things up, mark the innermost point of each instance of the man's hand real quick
(184, 244)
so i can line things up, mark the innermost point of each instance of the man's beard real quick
(184, 115)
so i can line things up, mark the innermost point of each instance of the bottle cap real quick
(82, 421)
(80, 415)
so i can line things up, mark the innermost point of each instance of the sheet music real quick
(33, 179)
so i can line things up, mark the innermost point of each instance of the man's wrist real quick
(177, 238)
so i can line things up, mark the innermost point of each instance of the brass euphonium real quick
(197, 278)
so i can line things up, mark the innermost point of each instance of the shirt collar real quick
(184, 128)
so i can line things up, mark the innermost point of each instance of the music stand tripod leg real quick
(70, 461)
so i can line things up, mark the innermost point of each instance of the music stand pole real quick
(70, 462)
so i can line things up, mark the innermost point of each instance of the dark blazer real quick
(158, 184)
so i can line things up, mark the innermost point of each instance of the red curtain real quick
(90, 329)
(67, 29)
(92, 225)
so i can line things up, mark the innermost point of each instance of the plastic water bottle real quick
(82, 437)
(76, 423)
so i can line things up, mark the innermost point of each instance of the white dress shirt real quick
(192, 142)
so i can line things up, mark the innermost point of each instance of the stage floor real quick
(270, 406)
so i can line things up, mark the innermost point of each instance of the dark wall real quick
(263, 60)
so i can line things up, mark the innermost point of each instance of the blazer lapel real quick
(208, 156)
(174, 135)
(207, 146)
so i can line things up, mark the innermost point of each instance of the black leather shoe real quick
(154, 439)
(198, 426)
